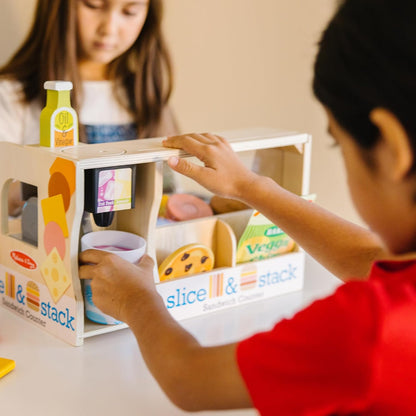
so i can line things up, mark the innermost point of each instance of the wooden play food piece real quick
(67, 168)
(54, 237)
(187, 260)
(59, 185)
(262, 239)
(182, 207)
(53, 209)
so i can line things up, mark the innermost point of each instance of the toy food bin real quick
(39, 256)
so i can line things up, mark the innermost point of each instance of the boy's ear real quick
(395, 148)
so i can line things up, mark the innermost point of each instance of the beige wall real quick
(15, 17)
(240, 63)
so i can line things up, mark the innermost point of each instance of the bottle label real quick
(64, 130)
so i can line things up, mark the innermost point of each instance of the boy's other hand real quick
(223, 172)
(117, 285)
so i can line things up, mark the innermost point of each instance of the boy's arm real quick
(344, 248)
(192, 376)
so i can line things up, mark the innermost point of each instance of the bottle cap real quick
(58, 85)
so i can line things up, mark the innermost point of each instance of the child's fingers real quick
(145, 261)
(203, 138)
(186, 168)
(89, 260)
(91, 256)
(206, 147)
(86, 271)
(216, 138)
(189, 142)
(176, 142)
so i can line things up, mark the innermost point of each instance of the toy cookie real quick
(187, 260)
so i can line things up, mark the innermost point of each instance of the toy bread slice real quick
(187, 260)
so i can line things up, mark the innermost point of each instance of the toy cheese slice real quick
(56, 277)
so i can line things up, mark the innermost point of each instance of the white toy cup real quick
(128, 246)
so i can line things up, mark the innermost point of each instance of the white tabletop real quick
(107, 375)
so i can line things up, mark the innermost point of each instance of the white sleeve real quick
(12, 112)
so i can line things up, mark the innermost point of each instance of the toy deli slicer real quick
(73, 188)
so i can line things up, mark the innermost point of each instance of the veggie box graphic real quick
(195, 295)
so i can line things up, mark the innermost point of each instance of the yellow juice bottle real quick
(58, 120)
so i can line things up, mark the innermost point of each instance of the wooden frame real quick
(281, 155)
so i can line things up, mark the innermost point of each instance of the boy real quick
(353, 352)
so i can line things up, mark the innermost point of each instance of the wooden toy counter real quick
(40, 281)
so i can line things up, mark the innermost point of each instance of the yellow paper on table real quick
(6, 366)
(261, 240)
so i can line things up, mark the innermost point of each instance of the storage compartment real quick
(226, 287)
(211, 232)
(228, 284)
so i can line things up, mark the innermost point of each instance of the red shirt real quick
(352, 353)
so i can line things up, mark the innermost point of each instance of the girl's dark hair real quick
(366, 60)
(51, 49)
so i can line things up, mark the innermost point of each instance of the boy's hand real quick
(223, 172)
(194, 377)
(116, 284)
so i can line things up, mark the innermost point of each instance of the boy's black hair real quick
(367, 59)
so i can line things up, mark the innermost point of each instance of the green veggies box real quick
(262, 239)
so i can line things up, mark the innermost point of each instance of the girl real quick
(352, 353)
(114, 53)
